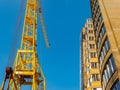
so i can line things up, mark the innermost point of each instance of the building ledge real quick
(94, 70)
(96, 84)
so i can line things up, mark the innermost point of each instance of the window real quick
(102, 32)
(102, 56)
(83, 36)
(92, 46)
(96, 33)
(95, 77)
(89, 20)
(116, 86)
(109, 70)
(98, 10)
(104, 51)
(98, 43)
(103, 29)
(104, 80)
(94, 89)
(112, 64)
(106, 75)
(100, 18)
(93, 54)
(94, 65)
(89, 25)
(91, 31)
(101, 35)
(107, 44)
(100, 61)
(96, 2)
(105, 48)
(91, 38)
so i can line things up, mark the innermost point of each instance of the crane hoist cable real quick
(16, 35)
(42, 24)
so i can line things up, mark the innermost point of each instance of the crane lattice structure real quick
(26, 69)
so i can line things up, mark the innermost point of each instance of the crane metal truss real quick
(26, 69)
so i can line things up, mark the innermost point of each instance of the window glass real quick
(103, 29)
(104, 80)
(104, 51)
(113, 67)
(94, 89)
(110, 69)
(106, 75)
(100, 18)
(116, 86)
(108, 44)
(95, 77)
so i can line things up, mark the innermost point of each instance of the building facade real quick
(106, 22)
(89, 60)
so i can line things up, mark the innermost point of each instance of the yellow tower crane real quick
(26, 69)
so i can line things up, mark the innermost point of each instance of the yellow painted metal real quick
(93, 59)
(96, 84)
(26, 69)
(94, 70)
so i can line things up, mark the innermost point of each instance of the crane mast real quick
(26, 69)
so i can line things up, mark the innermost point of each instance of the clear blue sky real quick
(64, 20)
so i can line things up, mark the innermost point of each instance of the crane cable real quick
(15, 37)
(42, 24)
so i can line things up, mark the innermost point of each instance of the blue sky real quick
(64, 20)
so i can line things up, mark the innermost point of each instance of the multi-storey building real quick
(106, 21)
(89, 61)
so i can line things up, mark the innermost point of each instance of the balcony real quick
(96, 84)
(93, 59)
(94, 70)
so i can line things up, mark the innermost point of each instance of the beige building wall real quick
(106, 20)
(91, 72)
